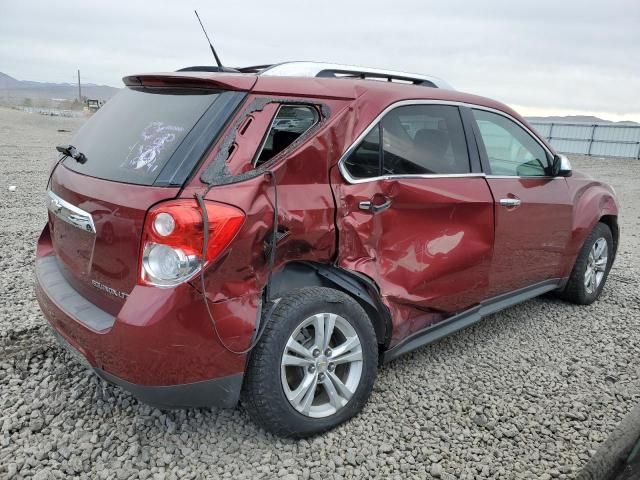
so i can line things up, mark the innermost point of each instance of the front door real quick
(533, 211)
(414, 217)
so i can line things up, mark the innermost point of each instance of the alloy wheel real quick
(596, 265)
(321, 365)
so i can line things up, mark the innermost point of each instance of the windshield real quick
(135, 134)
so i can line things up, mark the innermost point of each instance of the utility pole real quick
(79, 88)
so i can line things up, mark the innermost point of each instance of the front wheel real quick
(315, 365)
(591, 268)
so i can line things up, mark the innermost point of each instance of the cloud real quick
(574, 55)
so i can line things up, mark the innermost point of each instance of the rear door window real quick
(416, 140)
(424, 139)
(133, 137)
(365, 161)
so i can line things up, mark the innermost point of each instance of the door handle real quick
(369, 206)
(510, 202)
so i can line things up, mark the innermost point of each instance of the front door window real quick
(511, 151)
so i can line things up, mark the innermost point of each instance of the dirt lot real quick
(527, 393)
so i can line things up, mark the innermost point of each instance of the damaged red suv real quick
(276, 233)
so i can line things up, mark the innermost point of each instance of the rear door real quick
(533, 210)
(140, 148)
(416, 214)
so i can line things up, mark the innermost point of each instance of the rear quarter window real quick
(290, 123)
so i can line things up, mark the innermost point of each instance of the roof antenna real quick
(220, 67)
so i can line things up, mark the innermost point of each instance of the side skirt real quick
(469, 317)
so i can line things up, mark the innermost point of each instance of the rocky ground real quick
(527, 393)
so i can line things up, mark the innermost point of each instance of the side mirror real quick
(560, 167)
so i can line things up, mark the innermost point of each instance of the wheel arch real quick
(298, 274)
(593, 202)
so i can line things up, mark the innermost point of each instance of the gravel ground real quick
(527, 393)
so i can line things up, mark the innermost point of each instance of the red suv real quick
(275, 233)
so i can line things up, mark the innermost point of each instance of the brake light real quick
(173, 236)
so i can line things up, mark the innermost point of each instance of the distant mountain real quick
(7, 81)
(578, 119)
(13, 89)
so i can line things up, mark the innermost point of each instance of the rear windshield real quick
(133, 136)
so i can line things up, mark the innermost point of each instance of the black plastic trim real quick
(208, 68)
(468, 124)
(482, 151)
(346, 282)
(366, 292)
(362, 289)
(469, 317)
(253, 68)
(199, 140)
(221, 392)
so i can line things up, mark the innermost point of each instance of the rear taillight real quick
(173, 237)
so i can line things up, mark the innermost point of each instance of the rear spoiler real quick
(219, 81)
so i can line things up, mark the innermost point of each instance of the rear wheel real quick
(315, 365)
(591, 268)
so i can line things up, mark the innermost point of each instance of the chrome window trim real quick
(403, 103)
(531, 177)
(69, 213)
(352, 180)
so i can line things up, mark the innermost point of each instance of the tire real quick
(577, 290)
(272, 376)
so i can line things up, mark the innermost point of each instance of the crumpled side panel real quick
(306, 226)
(235, 320)
(429, 253)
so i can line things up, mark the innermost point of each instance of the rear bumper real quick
(160, 346)
(220, 392)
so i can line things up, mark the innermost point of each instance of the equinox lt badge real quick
(109, 290)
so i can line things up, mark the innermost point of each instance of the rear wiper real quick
(73, 152)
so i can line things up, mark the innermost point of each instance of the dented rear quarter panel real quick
(306, 210)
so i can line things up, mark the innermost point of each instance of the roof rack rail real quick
(330, 70)
(334, 70)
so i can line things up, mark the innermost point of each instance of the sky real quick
(542, 57)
